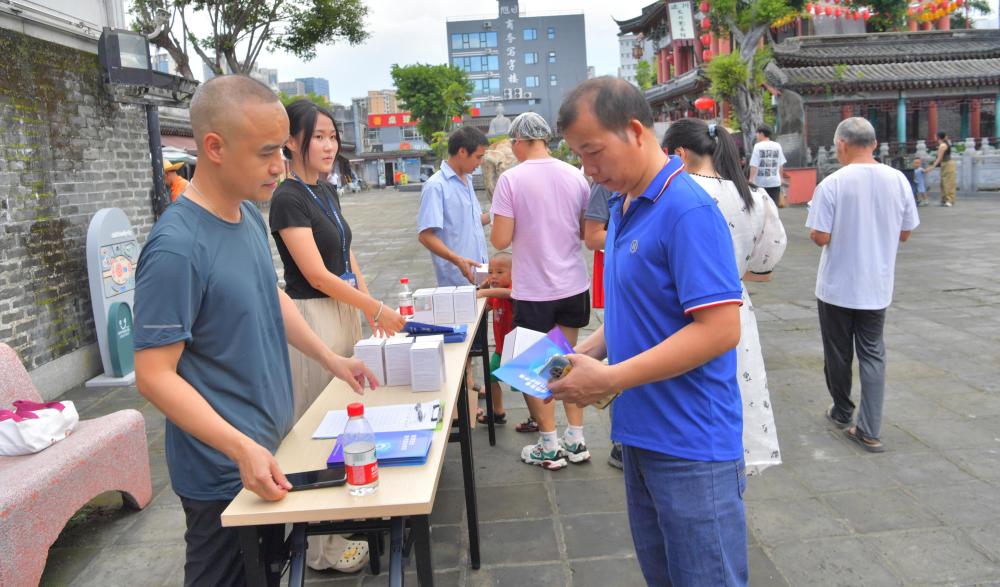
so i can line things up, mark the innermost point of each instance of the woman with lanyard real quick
(323, 278)
(711, 158)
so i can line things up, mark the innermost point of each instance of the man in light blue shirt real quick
(450, 221)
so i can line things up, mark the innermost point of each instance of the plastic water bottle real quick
(360, 461)
(405, 298)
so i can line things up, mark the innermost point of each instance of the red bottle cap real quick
(356, 409)
(405, 280)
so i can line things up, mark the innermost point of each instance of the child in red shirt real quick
(497, 289)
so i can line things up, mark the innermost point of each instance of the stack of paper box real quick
(427, 363)
(369, 352)
(397, 360)
(444, 305)
(464, 300)
(423, 305)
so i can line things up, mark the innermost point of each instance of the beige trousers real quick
(339, 327)
(949, 178)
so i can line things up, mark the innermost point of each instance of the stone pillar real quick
(932, 121)
(901, 121)
(975, 119)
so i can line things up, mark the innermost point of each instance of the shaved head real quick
(219, 104)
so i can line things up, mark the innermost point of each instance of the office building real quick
(315, 85)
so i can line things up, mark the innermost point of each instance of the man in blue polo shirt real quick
(672, 295)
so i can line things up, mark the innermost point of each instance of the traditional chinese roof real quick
(691, 82)
(888, 48)
(972, 73)
(651, 15)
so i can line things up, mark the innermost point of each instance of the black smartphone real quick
(316, 479)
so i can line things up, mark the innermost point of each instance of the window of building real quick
(552, 56)
(486, 87)
(530, 34)
(553, 80)
(477, 63)
(461, 41)
(532, 102)
(530, 58)
(531, 81)
(552, 32)
(410, 133)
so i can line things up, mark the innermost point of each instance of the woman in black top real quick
(322, 275)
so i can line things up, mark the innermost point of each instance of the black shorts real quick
(774, 192)
(571, 312)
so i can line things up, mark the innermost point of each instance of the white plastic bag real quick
(34, 426)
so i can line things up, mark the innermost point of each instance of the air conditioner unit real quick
(529, 95)
(487, 25)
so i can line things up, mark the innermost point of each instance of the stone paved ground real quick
(924, 513)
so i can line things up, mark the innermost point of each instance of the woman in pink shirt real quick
(538, 209)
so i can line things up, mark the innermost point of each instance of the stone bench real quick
(39, 493)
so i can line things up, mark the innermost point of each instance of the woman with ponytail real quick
(711, 157)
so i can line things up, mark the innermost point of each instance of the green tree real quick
(738, 78)
(311, 96)
(433, 94)
(962, 18)
(241, 30)
(644, 76)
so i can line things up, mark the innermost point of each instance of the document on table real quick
(394, 418)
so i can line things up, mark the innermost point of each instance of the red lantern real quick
(704, 103)
(855, 16)
(704, 7)
(706, 39)
(706, 55)
(865, 14)
(828, 11)
(809, 8)
(706, 23)
(836, 12)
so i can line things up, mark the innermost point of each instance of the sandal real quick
(835, 420)
(528, 425)
(483, 418)
(479, 389)
(869, 444)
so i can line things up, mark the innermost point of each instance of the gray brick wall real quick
(66, 151)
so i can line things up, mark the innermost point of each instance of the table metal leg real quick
(297, 567)
(396, 552)
(483, 346)
(262, 556)
(468, 474)
(420, 526)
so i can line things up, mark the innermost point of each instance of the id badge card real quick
(350, 278)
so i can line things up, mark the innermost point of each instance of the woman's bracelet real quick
(378, 313)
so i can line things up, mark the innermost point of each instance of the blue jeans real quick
(687, 519)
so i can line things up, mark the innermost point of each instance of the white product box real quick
(444, 305)
(427, 364)
(369, 352)
(517, 341)
(481, 274)
(397, 360)
(465, 304)
(423, 305)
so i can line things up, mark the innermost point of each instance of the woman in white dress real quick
(711, 158)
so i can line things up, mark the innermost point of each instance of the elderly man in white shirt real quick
(858, 215)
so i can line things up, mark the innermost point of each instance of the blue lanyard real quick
(330, 210)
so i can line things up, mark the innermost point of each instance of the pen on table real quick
(420, 413)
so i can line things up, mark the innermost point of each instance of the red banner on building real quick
(391, 119)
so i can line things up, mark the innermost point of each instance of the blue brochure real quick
(393, 449)
(452, 333)
(524, 372)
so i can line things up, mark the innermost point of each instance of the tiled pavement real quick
(924, 513)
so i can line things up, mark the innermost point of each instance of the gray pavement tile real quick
(443, 579)
(65, 564)
(591, 535)
(621, 572)
(448, 544)
(987, 538)
(976, 404)
(961, 505)
(85, 398)
(520, 541)
(155, 526)
(593, 496)
(792, 520)
(97, 526)
(845, 474)
(151, 564)
(901, 405)
(330, 577)
(933, 556)
(798, 446)
(763, 573)
(983, 463)
(880, 511)
(449, 507)
(546, 574)
(514, 502)
(935, 387)
(507, 469)
(953, 433)
(828, 562)
(921, 468)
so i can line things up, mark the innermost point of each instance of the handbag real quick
(34, 426)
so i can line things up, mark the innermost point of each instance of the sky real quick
(413, 31)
